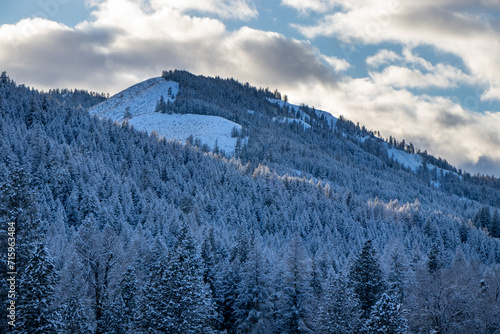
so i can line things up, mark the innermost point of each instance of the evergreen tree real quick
(161, 105)
(434, 259)
(386, 317)
(366, 278)
(338, 314)
(296, 291)
(122, 315)
(36, 313)
(252, 306)
(397, 273)
(494, 227)
(178, 301)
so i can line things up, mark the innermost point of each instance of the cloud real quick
(467, 29)
(338, 65)
(128, 41)
(383, 57)
(309, 6)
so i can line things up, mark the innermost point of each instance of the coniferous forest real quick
(313, 230)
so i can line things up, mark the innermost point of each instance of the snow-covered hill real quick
(331, 120)
(211, 130)
(138, 104)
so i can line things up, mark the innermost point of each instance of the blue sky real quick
(424, 71)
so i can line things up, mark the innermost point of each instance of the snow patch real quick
(330, 119)
(412, 161)
(137, 100)
(292, 120)
(138, 104)
(208, 129)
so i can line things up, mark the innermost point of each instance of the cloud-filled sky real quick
(427, 71)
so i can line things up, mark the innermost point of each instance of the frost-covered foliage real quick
(112, 220)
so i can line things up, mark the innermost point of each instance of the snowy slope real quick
(289, 120)
(413, 161)
(208, 129)
(332, 121)
(139, 101)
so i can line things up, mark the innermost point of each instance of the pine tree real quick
(178, 301)
(397, 273)
(296, 292)
(338, 314)
(434, 259)
(36, 313)
(122, 315)
(386, 317)
(366, 278)
(161, 105)
(252, 306)
(494, 227)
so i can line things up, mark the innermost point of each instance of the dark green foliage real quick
(366, 279)
(161, 106)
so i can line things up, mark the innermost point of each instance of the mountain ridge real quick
(134, 223)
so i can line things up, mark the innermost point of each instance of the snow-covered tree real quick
(296, 292)
(386, 317)
(366, 278)
(36, 312)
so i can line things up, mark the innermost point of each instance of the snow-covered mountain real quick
(138, 105)
(115, 223)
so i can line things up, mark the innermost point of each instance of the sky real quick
(426, 71)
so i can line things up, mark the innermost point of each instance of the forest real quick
(301, 231)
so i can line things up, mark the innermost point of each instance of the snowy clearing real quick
(179, 127)
(138, 100)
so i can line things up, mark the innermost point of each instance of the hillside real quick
(132, 233)
(138, 105)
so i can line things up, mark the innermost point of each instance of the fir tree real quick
(252, 306)
(296, 292)
(366, 278)
(36, 313)
(161, 105)
(178, 299)
(338, 314)
(386, 317)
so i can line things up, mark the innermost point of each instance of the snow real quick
(140, 101)
(412, 161)
(289, 120)
(179, 127)
(332, 121)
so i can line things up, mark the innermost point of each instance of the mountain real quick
(307, 223)
(139, 105)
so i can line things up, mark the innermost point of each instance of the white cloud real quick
(444, 76)
(132, 40)
(233, 9)
(467, 29)
(382, 57)
(339, 65)
(309, 6)
(412, 71)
